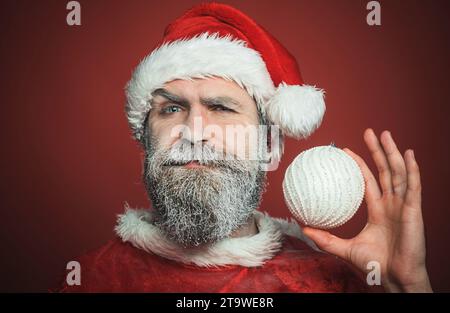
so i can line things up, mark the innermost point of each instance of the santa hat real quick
(213, 39)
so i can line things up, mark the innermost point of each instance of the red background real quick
(68, 161)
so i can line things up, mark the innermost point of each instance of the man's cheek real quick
(166, 137)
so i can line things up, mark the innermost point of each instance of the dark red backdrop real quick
(69, 164)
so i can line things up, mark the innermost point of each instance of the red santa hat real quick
(213, 39)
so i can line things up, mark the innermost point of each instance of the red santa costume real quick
(277, 259)
(213, 39)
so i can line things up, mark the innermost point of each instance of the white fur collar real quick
(134, 226)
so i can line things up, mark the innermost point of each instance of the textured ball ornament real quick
(323, 187)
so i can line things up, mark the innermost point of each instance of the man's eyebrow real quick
(210, 101)
(170, 96)
(222, 100)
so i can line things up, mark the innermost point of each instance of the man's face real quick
(213, 110)
(199, 175)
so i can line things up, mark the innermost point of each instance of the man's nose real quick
(196, 121)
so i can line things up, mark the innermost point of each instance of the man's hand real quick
(394, 233)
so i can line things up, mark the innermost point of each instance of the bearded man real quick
(216, 70)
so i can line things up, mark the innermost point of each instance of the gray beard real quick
(196, 206)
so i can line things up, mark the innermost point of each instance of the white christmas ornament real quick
(323, 187)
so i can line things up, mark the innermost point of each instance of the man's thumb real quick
(328, 242)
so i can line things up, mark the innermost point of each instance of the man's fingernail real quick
(412, 154)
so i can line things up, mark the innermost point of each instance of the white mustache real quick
(183, 152)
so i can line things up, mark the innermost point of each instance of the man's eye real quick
(171, 109)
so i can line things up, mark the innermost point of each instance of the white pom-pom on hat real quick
(297, 109)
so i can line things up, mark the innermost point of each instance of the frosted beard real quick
(202, 205)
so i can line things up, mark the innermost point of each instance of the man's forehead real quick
(204, 87)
